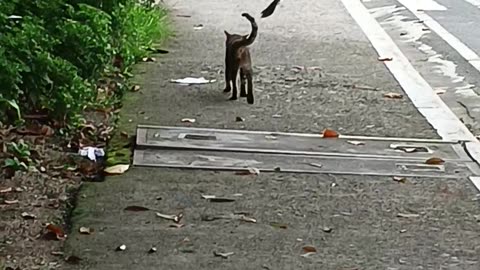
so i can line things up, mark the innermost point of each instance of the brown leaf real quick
(57, 231)
(308, 249)
(383, 59)
(393, 95)
(73, 259)
(278, 225)
(118, 61)
(87, 167)
(330, 133)
(136, 88)
(135, 208)
(249, 171)
(434, 161)
(47, 131)
(400, 179)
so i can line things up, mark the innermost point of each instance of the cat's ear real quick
(226, 33)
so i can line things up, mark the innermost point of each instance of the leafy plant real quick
(19, 156)
(52, 51)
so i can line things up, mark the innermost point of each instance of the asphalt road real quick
(362, 212)
(442, 65)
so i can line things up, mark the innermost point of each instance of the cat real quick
(237, 57)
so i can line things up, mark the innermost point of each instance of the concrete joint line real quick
(429, 104)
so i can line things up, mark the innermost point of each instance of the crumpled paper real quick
(192, 80)
(91, 152)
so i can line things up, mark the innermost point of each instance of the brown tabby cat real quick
(237, 57)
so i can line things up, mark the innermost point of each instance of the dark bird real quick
(270, 9)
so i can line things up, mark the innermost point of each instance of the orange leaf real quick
(435, 161)
(57, 231)
(330, 133)
(309, 249)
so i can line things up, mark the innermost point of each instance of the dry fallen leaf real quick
(57, 253)
(318, 165)
(308, 249)
(117, 169)
(393, 95)
(149, 59)
(57, 231)
(175, 218)
(249, 171)
(434, 161)
(327, 229)
(356, 143)
(73, 259)
(10, 201)
(136, 208)
(440, 91)
(385, 59)
(239, 119)
(214, 198)
(6, 190)
(330, 133)
(400, 179)
(152, 250)
(402, 215)
(278, 225)
(26, 215)
(188, 120)
(136, 88)
(224, 255)
(121, 248)
(85, 230)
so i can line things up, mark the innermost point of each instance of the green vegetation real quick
(53, 52)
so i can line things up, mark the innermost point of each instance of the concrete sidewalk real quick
(362, 211)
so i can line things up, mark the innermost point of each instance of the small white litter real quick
(91, 152)
(191, 80)
(14, 17)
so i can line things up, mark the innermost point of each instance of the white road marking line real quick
(453, 41)
(426, 5)
(474, 2)
(448, 126)
(437, 113)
